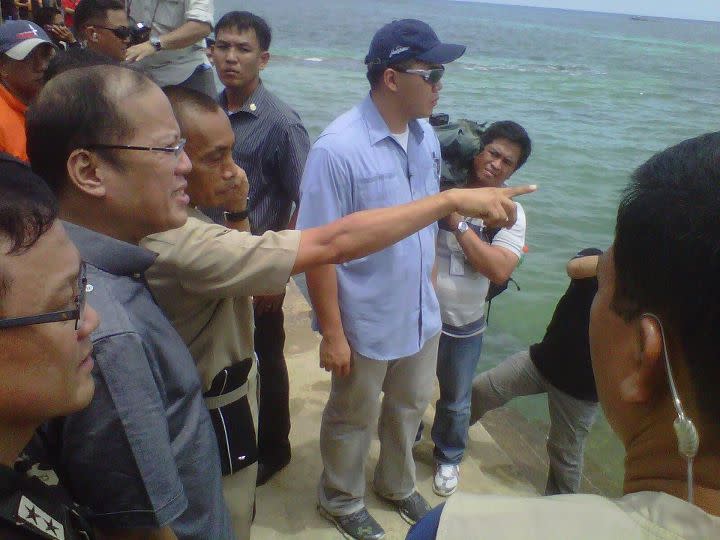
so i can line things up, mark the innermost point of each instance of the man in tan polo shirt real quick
(206, 273)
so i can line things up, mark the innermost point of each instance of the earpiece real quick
(94, 36)
(687, 435)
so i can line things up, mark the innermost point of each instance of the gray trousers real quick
(570, 418)
(349, 420)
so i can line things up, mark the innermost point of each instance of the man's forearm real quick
(362, 233)
(322, 288)
(185, 35)
(494, 262)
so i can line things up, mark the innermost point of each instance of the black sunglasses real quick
(431, 76)
(56, 316)
(121, 32)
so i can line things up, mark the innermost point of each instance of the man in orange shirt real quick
(25, 51)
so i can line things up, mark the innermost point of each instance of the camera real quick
(460, 142)
(139, 32)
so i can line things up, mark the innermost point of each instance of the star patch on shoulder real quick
(38, 520)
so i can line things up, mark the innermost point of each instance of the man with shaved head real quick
(143, 455)
(206, 273)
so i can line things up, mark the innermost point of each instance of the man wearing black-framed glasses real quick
(102, 25)
(63, 315)
(119, 178)
(45, 348)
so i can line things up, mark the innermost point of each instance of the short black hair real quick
(513, 132)
(667, 255)
(27, 206)
(76, 57)
(244, 20)
(27, 210)
(375, 72)
(45, 16)
(182, 99)
(74, 110)
(94, 11)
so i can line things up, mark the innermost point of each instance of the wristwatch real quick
(155, 42)
(236, 216)
(462, 228)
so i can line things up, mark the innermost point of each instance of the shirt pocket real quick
(378, 191)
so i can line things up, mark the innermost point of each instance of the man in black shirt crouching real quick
(560, 367)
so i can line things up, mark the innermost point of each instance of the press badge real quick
(457, 257)
(457, 263)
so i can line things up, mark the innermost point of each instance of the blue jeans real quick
(456, 364)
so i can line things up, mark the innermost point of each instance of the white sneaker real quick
(445, 479)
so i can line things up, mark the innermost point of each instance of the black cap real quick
(409, 39)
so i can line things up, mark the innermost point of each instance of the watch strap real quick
(236, 216)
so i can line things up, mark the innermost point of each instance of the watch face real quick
(462, 226)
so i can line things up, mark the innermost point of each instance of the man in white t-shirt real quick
(469, 257)
(654, 345)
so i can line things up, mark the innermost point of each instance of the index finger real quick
(518, 190)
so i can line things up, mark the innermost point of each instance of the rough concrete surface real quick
(286, 505)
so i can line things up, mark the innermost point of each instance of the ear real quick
(643, 379)
(86, 173)
(390, 78)
(264, 59)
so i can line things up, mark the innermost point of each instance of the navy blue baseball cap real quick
(18, 38)
(408, 39)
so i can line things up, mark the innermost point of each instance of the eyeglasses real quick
(121, 32)
(175, 150)
(431, 76)
(56, 316)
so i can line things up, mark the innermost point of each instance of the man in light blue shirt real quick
(379, 315)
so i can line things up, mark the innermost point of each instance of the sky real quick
(708, 10)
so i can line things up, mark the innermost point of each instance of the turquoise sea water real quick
(598, 93)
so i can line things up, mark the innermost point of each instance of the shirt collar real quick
(109, 254)
(198, 214)
(12, 100)
(377, 128)
(253, 105)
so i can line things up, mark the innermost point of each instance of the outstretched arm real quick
(362, 233)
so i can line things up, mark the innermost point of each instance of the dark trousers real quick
(274, 402)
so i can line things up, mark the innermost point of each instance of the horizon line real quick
(490, 2)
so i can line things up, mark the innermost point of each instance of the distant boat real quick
(638, 18)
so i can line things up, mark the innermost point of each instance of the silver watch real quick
(462, 228)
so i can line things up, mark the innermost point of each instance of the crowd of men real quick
(149, 226)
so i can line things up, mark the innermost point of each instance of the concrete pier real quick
(286, 505)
